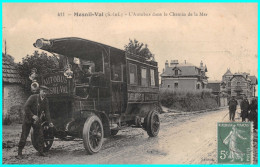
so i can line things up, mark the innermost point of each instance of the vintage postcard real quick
(130, 83)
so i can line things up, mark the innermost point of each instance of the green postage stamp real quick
(235, 143)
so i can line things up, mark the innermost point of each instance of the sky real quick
(224, 36)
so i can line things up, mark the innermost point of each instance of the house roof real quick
(228, 72)
(186, 64)
(238, 74)
(187, 69)
(9, 70)
(253, 80)
(215, 86)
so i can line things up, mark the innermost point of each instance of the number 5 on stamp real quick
(235, 143)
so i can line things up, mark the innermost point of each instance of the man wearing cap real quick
(86, 74)
(36, 105)
(232, 108)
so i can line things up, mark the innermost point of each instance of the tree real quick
(139, 48)
(41, 61)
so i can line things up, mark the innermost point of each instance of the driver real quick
(36, 105)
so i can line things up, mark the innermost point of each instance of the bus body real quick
(121, 90)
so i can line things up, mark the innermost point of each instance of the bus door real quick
(118, 85)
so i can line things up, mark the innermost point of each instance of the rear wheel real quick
(153, 124)
(93, 134)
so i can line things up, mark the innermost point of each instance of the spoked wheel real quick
(93, 134)
(48, 138)
(153, 124)
(114, 132)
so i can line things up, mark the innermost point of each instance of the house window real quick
(133, 73)
(176, 72)
(169, 86)
(229, 84)
(144, 77)
(152, 77)
(176, 84)
(238, 83)
(198, 86)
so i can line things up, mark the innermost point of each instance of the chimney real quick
(174, 63)
(201, 64)
(206, 69)
(166, 64)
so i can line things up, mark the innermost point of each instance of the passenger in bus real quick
(76, 70)
(116, 77)
(86, 74)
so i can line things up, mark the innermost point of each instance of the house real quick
(214, 86)
(13, 92)
(225, 85)
(222, 97)
(238, 83)
(184, 76)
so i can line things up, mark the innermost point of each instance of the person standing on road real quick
(232, 108)
(36, 105)
(244, 106)
(253, 112)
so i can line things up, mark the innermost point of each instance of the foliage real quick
(188, 100)
(41, 61)
(15, 115)
(7, 121)
(8, 57)
(139, 48)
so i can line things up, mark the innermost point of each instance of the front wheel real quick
(114, 132)
(93, 134)
(153, 124)
(48, 138)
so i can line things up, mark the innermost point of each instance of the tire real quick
(114, 132)
(48, 140)
(153, 124)
(93, 134)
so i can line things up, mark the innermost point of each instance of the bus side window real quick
(144, 81)
(152, 77)
(133, 74)
(117, 72)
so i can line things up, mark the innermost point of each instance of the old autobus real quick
(100, 91)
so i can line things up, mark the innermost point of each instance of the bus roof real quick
(82, 48)
(74, 47)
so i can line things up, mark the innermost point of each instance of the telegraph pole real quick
(5, 44)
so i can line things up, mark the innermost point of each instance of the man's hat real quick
(43, 87)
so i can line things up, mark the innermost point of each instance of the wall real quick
(243, 85)
(183, 83)
(14, 97)
(189, 84)
(223, 101)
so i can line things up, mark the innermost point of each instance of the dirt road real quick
(183, 139)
